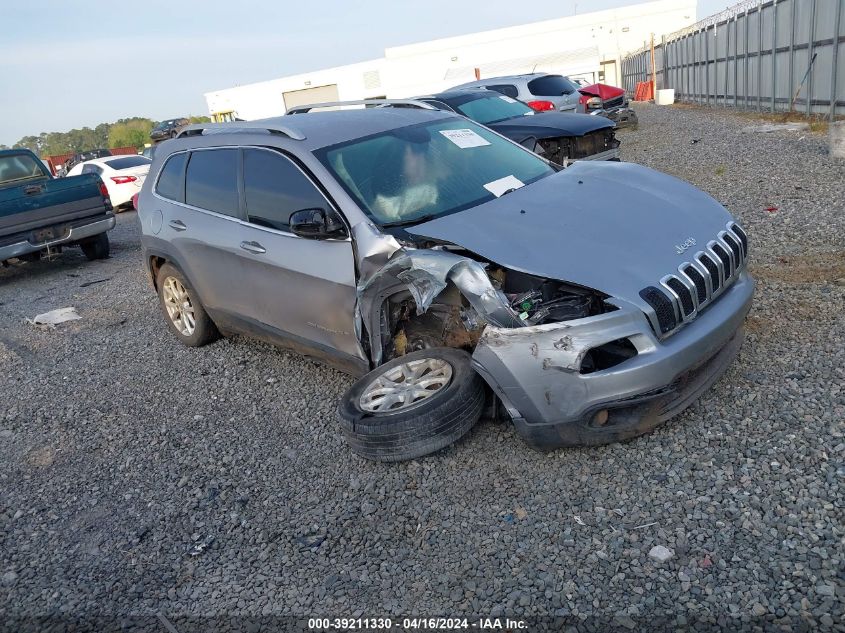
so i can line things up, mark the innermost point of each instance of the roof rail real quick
(238, 126)
(414, 103)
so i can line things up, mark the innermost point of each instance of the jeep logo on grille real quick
(680, 248)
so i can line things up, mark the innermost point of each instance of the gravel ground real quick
(141, 477)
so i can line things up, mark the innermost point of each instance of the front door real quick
(303, 289)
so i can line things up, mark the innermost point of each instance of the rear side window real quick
(171, 182)
(19, 167)
(551, 86)
(274, 188)
(211, 181)
(128, 162)
(92, 169)
(505, 89)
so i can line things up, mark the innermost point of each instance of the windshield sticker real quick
(503, 185)
(464, 138)
(508, 99)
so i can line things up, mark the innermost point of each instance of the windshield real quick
(493, 109)
(19, 167)
(430, 169)
(551, 86)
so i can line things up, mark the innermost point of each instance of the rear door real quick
(198, 197)
(302, 288)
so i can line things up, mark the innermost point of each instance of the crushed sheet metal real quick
(374, 248)
(54, 317)
(425, 274)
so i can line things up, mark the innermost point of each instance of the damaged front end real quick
(570, 365)
(437, 297)
(600, 144)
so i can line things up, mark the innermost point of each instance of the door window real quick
(171, 181)
(506, 89)
(211, 181)
(274, 188)
(92, 169)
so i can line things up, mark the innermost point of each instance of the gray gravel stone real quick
(745, 486)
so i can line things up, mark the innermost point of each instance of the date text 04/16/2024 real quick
(423, 624)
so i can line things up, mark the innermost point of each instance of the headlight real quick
(594, 103)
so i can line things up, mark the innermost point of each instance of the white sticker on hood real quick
(464, 138)
(503, 185)
(508, 99)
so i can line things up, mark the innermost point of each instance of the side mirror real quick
(317, 224)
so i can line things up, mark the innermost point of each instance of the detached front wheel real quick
(412, 405)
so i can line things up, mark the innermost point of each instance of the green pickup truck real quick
(39, 213)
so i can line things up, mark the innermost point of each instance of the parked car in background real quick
(80, 157)
(540, 91)
(609, 102)
(448, 266)
(123, 175)
(168, 129)
(39, 213)
(554, 135)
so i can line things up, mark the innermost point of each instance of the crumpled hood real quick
(609, 226)
(603, 91)
(550, 125)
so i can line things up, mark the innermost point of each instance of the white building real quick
(589, 45)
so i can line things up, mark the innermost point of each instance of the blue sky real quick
(74, 64)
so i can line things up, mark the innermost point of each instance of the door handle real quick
(177, 225)
(31, 190)
(253, 247)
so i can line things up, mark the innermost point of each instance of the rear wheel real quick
(96, 247)
(412, 405)
(184, 313)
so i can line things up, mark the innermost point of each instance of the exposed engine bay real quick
(451, 321)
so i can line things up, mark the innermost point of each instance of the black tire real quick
(426, 427)
(96, 247)
(204, 331)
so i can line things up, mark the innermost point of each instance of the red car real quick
(610, 102)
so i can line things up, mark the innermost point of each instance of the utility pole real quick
(653, 69)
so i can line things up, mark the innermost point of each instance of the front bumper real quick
(611, 154)
(622, 116)
(536, 371)
(24, 243)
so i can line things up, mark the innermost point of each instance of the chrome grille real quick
(700, 281)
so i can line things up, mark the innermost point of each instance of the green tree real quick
(133, 132)
(199, 119)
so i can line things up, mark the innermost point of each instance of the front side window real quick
(211, 181)
(274, 188)
(493, 109)
(427, 170)
(171, 182)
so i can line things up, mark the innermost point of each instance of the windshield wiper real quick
(409, 221)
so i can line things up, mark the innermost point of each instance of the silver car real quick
(452, 270)
(541, 91)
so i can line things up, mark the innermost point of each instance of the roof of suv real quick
(331, 127)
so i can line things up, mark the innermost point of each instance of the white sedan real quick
(123, 175)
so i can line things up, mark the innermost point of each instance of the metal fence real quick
(755, 55)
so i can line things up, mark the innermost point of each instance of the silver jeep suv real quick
(452, 270)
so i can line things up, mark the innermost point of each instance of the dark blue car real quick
(557, 136)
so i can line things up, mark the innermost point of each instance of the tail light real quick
(541, 106)
(105, 193)
(122, 180)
